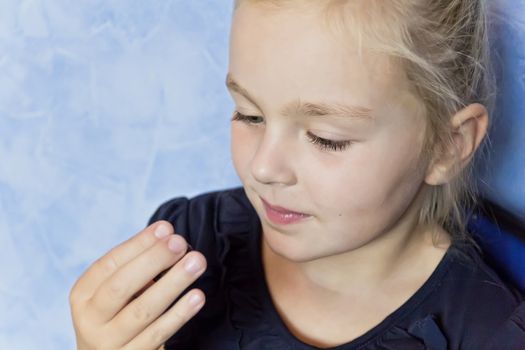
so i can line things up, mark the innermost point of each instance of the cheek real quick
(372, 177)
(345, 187)
(392, 176)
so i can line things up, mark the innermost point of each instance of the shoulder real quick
(501, 307)
(205, 213)
(465, 304)
(472, 274)
(204, 203)
(479, 303)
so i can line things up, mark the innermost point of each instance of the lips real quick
(282, 216)
(281, 209)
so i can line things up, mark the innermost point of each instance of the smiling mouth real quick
(282, 216)
(281, 209)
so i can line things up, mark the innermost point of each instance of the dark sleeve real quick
(511, 334)
(194, 219)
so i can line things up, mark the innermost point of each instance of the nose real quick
(273, 161)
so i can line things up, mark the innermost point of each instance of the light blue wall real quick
(108, 108)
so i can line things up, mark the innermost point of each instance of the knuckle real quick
(145, 241)
(178, 316)
(117, 289)
(158, 335)
(76, 296)
(73, 296)
(153, 258)
(108, 264)
(140, 312)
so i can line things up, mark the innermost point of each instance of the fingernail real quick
(175, 244)
(195, 300)
(162, 231)
(192, 266)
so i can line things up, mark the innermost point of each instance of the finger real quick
(116, 291)
(158, 277)
(169, 323)
(142, 311)
(105, 266)
(143, 289)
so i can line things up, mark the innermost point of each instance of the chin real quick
(291, 247)
(295, 256)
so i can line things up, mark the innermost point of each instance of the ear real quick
(469, 127)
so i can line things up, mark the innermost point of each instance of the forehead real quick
(291, 50)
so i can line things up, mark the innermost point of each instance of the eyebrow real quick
(309, 109)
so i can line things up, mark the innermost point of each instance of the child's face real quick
(353, 195)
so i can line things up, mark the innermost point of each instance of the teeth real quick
(287, 213)
(290, 215)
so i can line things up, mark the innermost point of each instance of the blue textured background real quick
(108, 108)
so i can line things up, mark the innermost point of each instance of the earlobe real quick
(468, 128)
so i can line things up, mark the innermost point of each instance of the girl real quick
(355, 126)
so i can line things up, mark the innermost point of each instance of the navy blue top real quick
(464, 304)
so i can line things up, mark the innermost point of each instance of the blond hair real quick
(443, 46)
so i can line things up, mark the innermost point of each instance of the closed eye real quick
(328, 145)
(250, 119)
(322, 143)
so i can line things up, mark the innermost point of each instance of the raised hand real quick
(116, 305)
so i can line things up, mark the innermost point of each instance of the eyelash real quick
(322, 143)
